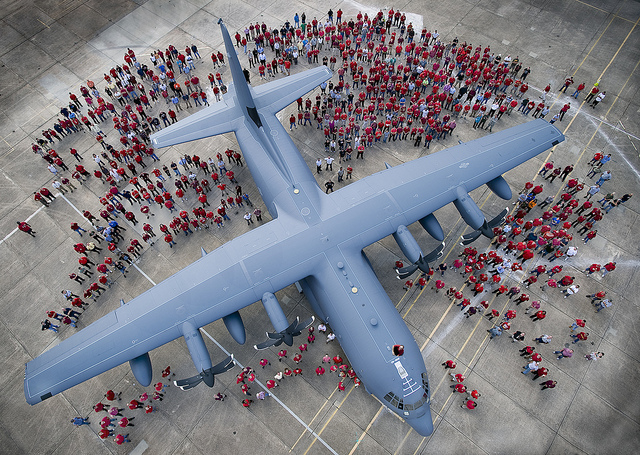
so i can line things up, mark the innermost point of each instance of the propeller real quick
(285, 336)
(486, 229)
(206, 376)
(422, 263)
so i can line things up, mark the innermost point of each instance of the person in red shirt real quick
(449, 364)
(460, 388)
(592, 268)
(112, 396)
(105, 433)
(540, 373)
(608, 267)
(26, 228)
(582, 336)
(541, 314)
(469, 404)
(134, 404)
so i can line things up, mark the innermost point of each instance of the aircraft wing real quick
(409, 192)
(220, 283)
(276, 95)
(221, 117)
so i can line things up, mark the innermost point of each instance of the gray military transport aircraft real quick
(315, 240)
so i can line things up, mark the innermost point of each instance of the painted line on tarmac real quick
(16, 229)
(140, 448)
(271, 394)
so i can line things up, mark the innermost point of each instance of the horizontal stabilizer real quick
(221, 117)
(276, 95)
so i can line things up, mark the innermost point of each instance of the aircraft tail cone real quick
(486, 229)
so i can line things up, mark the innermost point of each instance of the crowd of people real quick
(336, 364)
(114, 413)
(501, 270)
(392, 83)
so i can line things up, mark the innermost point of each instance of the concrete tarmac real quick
(49, 48)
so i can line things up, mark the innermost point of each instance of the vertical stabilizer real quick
(245, 99)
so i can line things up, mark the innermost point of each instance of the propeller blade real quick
(207, 376)
(287, 339)
(268, 343)
(286, 336)
(304, 324)
(292, 326)
(223, 366)
(407, 270)
(435, 254)
(470, 238)
(486, 229)
(497, 220)
(423, 265)
(189, 383)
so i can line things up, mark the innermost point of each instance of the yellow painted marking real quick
(329, 420)
(314, 418)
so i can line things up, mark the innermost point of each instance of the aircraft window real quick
(388, 397)
(401, 405)
(425, 382)
(394, 402)
(417, 405)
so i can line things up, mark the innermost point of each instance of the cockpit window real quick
(398, 402)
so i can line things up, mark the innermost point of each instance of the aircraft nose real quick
(422, 425)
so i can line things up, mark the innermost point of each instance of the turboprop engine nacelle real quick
(469, 210)
(407, 244)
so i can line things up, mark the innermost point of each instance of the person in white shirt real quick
(329, 161)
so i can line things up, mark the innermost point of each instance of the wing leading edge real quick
(220, 283)
(411, 191)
